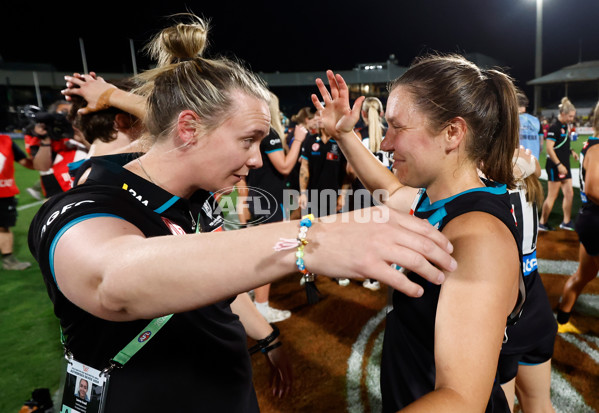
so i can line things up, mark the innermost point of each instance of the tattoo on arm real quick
(304, 176)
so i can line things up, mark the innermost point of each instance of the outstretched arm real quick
(172, 274)
(339, 119)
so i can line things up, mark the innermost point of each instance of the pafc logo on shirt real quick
(144, 336)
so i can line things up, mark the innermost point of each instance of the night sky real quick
(301, 36)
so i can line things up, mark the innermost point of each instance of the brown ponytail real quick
(444, 87)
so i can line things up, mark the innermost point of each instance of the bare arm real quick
(591, 181)
(283, 162)
(172, 274)
(304, 179)
(100, 95)
(473, 307)
(258, 328)
(551, 152)
(42, 160)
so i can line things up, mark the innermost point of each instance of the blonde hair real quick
(302, 116)
(566, 106)
(595, 119)
(534, 190)
(185, 80)
(275, 119)
(373, 108)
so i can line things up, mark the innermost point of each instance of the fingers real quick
(398, 281)
(316, 102)
(74, 80)
(421, 227)
(326, 97)
(355, 110)
(333, 84)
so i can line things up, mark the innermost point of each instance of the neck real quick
(454, 183)
(164, 168)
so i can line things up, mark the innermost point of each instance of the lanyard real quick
(138, 342)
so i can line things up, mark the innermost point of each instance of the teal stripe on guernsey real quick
(427, 206)
(437, 216)
(283, 211)
(65, 229)
(167, 205)
(274, 150)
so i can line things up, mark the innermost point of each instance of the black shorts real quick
(553, 173)
(587, 228)
(8, 212)
(508, 363)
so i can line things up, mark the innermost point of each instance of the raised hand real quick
(337, 117)
(94, 89)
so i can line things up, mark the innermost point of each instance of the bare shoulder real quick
(482, 240)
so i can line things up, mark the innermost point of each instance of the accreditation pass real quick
(84, 389)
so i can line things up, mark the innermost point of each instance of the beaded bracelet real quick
(300, 242)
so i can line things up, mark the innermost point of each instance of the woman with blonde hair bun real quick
(559, 175)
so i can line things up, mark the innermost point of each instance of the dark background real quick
(307, 36)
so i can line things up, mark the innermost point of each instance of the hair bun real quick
(181, 42)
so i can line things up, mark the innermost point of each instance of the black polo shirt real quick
(198, 361)
(327, 168)
(269, 179)
(558, 133)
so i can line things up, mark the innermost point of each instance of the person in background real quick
(525, 358)
(531, 134)
(587, 228)
(304, 118)
(559, 175)
(110, 130)
(53, 144)
(206, 119)
(447, 120)
(10, 154)
(106, 131)
(372, 131)
(323, 178)
(270, 180)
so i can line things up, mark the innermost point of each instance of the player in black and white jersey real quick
(525, 358)
(587, 228)
(440, 350)
(559, 175)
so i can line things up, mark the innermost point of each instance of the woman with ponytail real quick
(525, 359)
(447, 120)
(587, 228)
(559, 175)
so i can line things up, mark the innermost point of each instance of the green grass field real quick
(30, 339)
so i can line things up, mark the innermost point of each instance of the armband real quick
(271, 347)
(263, 344)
